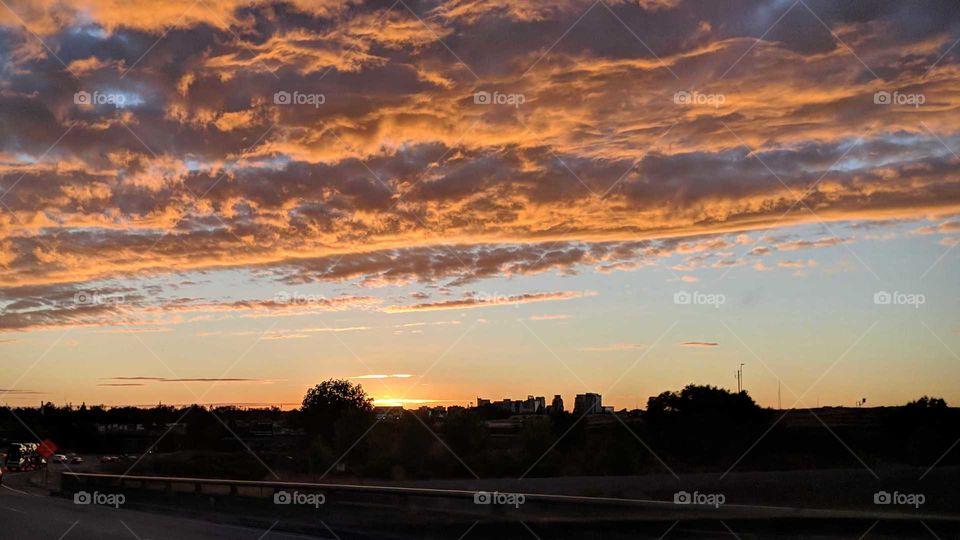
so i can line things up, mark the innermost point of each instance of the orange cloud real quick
(700, 344)
(491, 301)
(403, 175)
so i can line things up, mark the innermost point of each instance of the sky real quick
(229, 202)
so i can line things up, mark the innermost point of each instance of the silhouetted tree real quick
(923, 430)
(927, 403)
(703, 422)
(203, 428)
(696, 400)
(326, 402)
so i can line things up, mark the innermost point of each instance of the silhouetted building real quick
(588, 403)
(531, 405)
(557, 404)
(387, 413)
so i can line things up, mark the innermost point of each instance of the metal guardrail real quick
(125, 480)
(360, 500)
(462, 500)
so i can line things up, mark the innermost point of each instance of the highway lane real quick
(28, 515)
(28, 511)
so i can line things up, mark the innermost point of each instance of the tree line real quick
(337, 431)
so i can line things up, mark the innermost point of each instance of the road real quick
(25, 513)
(28, 511)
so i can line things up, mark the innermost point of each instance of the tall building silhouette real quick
(531, 405)
(588, 403)
(557, 404)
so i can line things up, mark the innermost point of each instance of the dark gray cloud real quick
(399, 159)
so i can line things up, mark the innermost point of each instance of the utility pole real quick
(779, 403)
(740, 378)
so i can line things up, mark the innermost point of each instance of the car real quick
(108, 459)
(59, 458)
(76, 460)
(1, 476)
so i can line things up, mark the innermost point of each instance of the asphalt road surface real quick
(28, 511)
(25, 514)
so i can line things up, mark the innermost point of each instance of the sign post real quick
(46, 449)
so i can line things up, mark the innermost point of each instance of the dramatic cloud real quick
(555, 317)
(797, 264)
(145, 330)
(490, 301)
(452, 141)
(434, 323)
(166, 380)
(130, 311)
